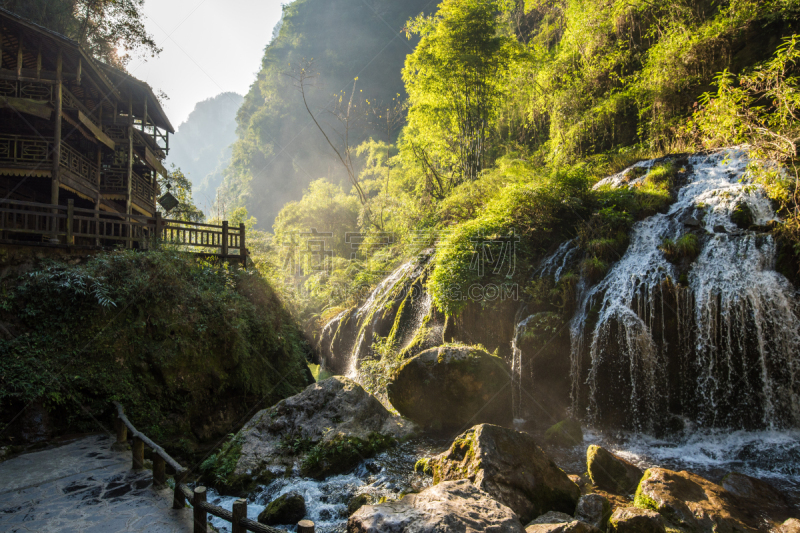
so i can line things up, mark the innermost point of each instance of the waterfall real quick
(738, 333)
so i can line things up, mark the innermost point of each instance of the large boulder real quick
(511, 467)
(555, 522)
(611, 473)
(756, 493)
(689, 502)
(450, 387)
(288, 508)
(326, 429)
(453, 506)
(594, 509)
(635, 520)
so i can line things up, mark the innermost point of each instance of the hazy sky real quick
(210, 46)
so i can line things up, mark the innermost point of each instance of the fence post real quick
(122, 431)
(242, 245)
(225, 238)
(159, 471)
(239, 512)
(305, 526)
(178, 498)
(137, 449)
(200, 516)
(70, 214)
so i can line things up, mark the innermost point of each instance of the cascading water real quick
(729, 337)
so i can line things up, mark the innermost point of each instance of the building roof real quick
(113, 78)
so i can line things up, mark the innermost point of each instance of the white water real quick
(740, 305)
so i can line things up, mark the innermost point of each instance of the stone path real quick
(84, 487)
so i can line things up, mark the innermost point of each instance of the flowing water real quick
(388, 475)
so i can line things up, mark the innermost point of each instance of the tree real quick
(110, 30)
(455, 80)
(181, 188)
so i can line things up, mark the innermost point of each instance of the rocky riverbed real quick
(495, 478)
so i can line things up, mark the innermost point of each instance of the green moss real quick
(686, 247)
(641, 500)
(341, 453)
(424, 466)
(566, 433)
(594, 269)
(661, 175)
(742, 215)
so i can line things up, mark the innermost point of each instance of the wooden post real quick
(122, 431)
(137, 450)
(225, 239)
(78, 75)
(19, 56)
(178, 498)
(159, 471)
(55, 172)
(305, 526)
(200, 515)
(242, 245)
(70, 220)
(239, 512)
(39, 62)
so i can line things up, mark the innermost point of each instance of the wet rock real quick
(357, 502)
(511, 467)
(578, 480)
(635, 520)
(759, 494)
(566, 433)
(610, 472)
(689, 502)
(790, 526)
(289, 508)
(447, 507)
(328, 428)
(451, 386)
(593, 509)
(555, 522)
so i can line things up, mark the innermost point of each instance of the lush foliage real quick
(171, 338)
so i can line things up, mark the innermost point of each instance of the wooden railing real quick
(182, 493)
(36, 153)
(57, 224)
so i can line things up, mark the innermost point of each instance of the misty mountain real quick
(201, 147)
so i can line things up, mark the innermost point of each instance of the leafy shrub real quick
(686, 247)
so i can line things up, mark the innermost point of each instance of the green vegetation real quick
(171, 338)
(514, 110)
(685, 247)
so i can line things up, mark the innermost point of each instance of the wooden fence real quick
(35, 223)
(182, 493)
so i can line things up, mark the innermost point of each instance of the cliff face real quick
(279, 150)
(187, 348)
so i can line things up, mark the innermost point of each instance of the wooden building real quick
(74, 128)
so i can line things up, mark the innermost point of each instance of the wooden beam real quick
(1, 45)
(29, 107)
(39, 62)
(57, 131)
(19, 56)
(96, 131)
(78, 75)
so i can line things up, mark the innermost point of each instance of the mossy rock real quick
(635, 520)
(611, 473)
(289, 508)
(341, 453)
(742, 215)
(357, 502)
(452, 386)
(510, 467)
(566, 433)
